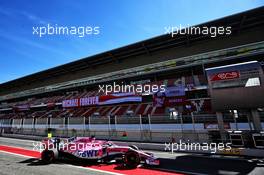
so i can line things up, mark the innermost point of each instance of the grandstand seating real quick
(159, 111)
(54, 101)
(121, 110)
(118, 110)
(140, 109)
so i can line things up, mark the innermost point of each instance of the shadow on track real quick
(38, 162)
(209, 165)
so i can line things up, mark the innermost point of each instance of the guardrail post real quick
(11, 123)
(84, 127)
(22, 126)
(33, 125)
(194, 129)
(109, 126)
(256, 120)
(150, 132)
(181, 120)
(140, 123)
(89, 124)
(193, 122)
(221, 128)
(115, 122)
(63, 126)
(66, 124)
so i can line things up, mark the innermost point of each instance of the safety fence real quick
(146, 129)
(160, 129)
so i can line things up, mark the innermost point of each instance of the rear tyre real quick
(131, 159)
(47, 156)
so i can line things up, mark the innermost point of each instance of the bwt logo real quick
(88, 153)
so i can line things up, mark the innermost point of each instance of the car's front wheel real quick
(132, 159)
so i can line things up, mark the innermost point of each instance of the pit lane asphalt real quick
(177, 162)
(16, 165)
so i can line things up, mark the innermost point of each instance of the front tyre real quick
(131, 159)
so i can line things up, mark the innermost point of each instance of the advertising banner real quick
(173, 95)
(102, 100)
(70, 103)
(24, 107)
(119, 98)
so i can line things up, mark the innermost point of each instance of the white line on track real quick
(7, 138)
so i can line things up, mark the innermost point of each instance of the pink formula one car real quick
(89, 149)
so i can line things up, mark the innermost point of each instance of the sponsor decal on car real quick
(87, 153)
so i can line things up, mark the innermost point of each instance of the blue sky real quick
(121, 22)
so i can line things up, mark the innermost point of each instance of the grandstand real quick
(51, 98)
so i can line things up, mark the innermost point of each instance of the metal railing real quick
(136, 128)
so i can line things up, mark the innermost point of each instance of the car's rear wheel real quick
(47, 156)
(131, 159)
